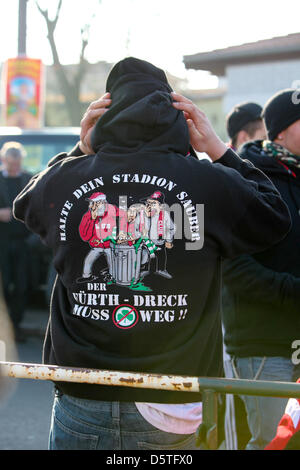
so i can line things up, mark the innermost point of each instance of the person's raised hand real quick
(202, 135)
(95, 110)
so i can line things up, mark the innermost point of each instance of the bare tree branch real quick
(57, 12)
(45, 13)
(81, 70)
(85, 36)
(51, 25)
(70, 88)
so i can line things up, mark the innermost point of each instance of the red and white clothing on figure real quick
(288, 425)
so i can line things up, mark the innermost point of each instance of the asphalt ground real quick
(25, 404)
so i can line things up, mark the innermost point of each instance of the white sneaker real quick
(164, 274)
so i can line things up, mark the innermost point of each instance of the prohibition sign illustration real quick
(125, 316)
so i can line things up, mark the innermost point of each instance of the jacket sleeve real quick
(87, 227)
(75, 152)
(245, 275)
(253, 214)
(28, 207)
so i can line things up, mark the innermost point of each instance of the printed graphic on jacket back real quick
(132, 243)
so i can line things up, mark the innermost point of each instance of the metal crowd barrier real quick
(209, 387)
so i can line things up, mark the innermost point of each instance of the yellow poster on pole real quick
(24, 103)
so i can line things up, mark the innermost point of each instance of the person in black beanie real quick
(280, 112)
(263, 321)
(135, 143)
(244, 123)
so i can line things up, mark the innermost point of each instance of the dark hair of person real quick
(251, 128)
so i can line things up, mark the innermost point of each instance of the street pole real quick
(22, 28)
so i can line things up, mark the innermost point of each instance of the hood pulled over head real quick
(141, 115)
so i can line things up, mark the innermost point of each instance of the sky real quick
(159, 31)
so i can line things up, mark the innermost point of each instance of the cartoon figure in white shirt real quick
(161, 229)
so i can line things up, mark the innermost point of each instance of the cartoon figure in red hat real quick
(161, 231)
(98, 227)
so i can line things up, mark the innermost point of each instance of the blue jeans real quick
(263, 413)
(78, 424)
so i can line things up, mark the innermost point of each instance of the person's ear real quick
(244, 137)
(280, 138)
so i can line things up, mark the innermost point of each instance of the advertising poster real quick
(23, 78)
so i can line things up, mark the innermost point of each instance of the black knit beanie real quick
(280, 111)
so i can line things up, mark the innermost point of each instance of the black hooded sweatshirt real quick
(262, 317)
(165, 324)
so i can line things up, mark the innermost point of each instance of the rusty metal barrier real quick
(209, 387)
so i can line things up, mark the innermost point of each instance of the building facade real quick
(253, 71)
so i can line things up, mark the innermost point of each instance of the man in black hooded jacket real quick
(165, 325)
(263, 321)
